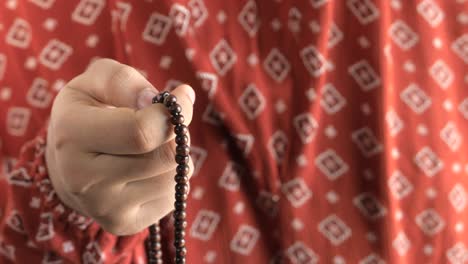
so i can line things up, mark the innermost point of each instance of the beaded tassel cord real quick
(181, 188)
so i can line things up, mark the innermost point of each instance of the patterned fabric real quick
(324, 131)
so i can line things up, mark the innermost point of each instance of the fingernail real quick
(191, 95)
(145, 97)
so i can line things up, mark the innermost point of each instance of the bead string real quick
(181, 188)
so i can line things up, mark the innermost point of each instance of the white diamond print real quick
(460, 47)
(54, 54)
(416, 98)
(367, 142)
(19, 34)
(458, 198)
(314, 61)
(334, 36)
(222, 57)
(230, 180)
(294, 20)
(87, 11)
(306, 126)
(331, 164)
(157, 28)
(332, 101)
(199, 13)
(369, 206)
(181, 18)
(276, 65)
(299, 253)
(252, 101)
(399, 185)
(428, 162)
(209, 82)
(458, 254)
(277, 145)
(244, 240)
(430, 222)
(204, 225)
(451, 136)
(38, 94)
(364, 75)
(297, 192)
(248, 18)
(334, 229)
(431, 12)
(403, 35)
(442, 74)
(364, 10)
(463, 108)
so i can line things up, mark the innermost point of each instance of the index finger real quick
(123, 130)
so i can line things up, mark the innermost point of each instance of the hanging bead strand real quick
(181, 187)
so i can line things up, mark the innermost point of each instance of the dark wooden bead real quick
(179, 235)
(178, 119)
(180, 223)
(179, 228)
(165, 94)
(183, 150)
(170, 100)
(181, 196)
(157, 246)
(180, 260)
(182, 188)
(181, 179)
(182, 159)
(179, 242)
(181, 129)
(182, 169)
(180, 215)
(181, 140)
(157, 99)
(181, 251)
(175, 109)
(180, 205)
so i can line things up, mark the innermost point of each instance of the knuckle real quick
(60, 139)
(93, 198)
(75, 188)
(122, 74)
(117, 223)
(101, 62)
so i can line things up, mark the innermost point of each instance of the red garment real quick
(324, 131)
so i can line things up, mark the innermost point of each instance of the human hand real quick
(110, 153)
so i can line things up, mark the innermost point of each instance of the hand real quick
(110, 152)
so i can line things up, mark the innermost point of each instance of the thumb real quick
(115, 84)
(145, 97)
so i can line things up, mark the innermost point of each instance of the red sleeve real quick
(36, 227)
